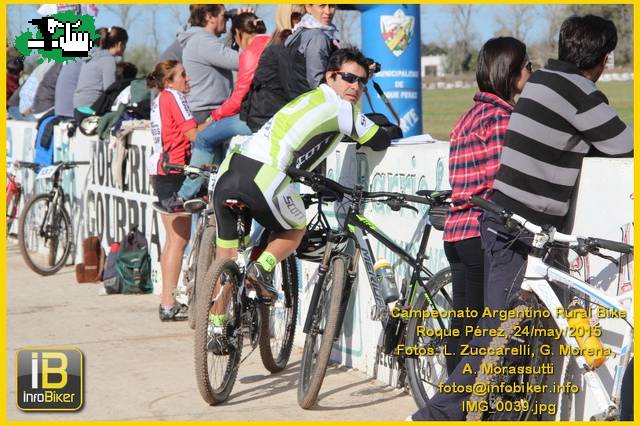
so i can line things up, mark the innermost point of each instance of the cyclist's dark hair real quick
(199, 13)
(163, 71)
(500, 62)
(248, 23)
(126, 71)
(15, 65)
(586, 40)
(347, 54)
(109, 37)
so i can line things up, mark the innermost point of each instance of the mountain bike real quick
(45, 234)
(203, 241)
(336, 274)
(218, 348)
(537, 295)
(14, 191)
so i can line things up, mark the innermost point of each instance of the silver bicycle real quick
(500, 374)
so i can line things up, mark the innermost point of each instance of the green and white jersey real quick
(306, 130)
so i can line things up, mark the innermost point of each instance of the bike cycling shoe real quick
(173, 204)
(262, 282)
(217, 344)
(178, 312)
(194, 205)
(162, 210)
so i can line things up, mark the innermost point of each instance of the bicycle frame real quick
(14, 191)
(358, 228)
(537, 278)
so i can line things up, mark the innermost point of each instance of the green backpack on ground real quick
(133, 264)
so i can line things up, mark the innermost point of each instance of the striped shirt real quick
(474, 154)
(559, 117)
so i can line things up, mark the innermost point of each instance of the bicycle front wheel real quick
(44, 235)
(278, 321)
(324, 329)
(202, 259)
(425, 373)
(218, 347)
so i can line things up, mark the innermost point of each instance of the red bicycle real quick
(14, 191)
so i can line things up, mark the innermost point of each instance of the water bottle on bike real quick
(387, 278)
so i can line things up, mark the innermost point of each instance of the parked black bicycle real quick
(45, 234)
(337, 272)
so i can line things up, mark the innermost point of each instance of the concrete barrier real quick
(604, 206)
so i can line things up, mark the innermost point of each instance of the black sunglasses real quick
(529, 67)
(352, 78)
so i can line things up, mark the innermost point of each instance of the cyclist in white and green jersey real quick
(302, 134)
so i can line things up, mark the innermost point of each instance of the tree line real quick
(461, 43)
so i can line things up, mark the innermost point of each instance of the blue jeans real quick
(504, 262)
(14, 112)
(207, 149)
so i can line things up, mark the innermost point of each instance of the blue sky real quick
(435, 21)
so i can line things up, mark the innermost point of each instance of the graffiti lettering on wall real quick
(112, 212)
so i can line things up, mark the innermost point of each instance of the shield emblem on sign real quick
(397, 30)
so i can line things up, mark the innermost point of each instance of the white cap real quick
(47, 9)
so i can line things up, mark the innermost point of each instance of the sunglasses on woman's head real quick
(352, 78)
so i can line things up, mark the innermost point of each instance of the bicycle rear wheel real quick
(44, 235)
(217, 356)
(202, 261)
(425, 373)
(324, 329)
(278, 321)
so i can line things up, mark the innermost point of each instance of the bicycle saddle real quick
(232, 203)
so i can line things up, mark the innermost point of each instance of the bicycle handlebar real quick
(71, 164)
(190, 170)
(26, 165)
(611, 245)
(489, 206)
(582, 245)
(316, 180)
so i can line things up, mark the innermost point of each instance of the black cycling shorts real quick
(166, 185)
(268, 193)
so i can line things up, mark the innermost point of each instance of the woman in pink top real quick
(249, 34)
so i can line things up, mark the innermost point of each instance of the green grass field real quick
(442, 108)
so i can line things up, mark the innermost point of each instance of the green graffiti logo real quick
(61, 37)
(439, 174)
